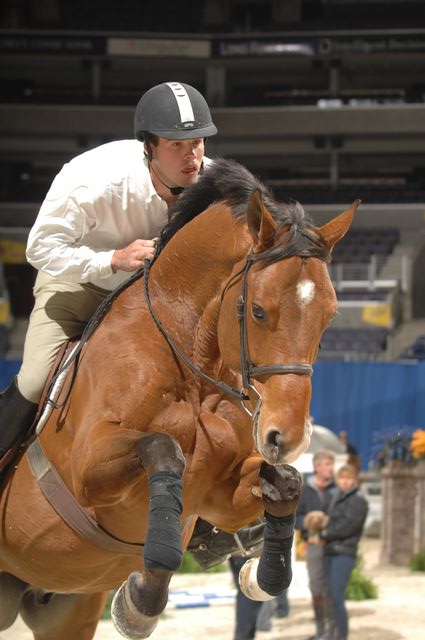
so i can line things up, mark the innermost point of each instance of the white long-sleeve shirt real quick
(100, 201)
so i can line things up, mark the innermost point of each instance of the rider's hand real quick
(132, 257)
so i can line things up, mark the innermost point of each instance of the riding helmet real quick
(175, 111)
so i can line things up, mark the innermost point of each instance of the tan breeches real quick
(61, 311)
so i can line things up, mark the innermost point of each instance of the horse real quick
(189, 399)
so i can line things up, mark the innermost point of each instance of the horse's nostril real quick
(274, 446)
(274, 438)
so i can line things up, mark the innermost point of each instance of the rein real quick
(248, 369)
(235, 393)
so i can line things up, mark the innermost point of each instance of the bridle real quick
(248, 368)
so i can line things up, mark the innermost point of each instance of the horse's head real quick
(284, 298)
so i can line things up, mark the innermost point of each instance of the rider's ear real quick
(260, 223)
(334, 230)
(148, 150)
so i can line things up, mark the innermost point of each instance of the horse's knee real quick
(161, 452)
(281, 486)
(11, 593)
(135, 608)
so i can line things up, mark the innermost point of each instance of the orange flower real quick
(417, 444)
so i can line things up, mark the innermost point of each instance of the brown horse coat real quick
(131, 384)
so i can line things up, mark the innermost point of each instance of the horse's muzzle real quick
(277, 449)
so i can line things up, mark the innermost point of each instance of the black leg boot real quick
(211, 546)
(16, 416)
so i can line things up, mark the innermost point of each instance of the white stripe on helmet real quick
(183, 102)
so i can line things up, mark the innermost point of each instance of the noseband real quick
(248, 368)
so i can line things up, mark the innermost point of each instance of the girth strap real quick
(67, 507)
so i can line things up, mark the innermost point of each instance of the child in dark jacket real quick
(347, 514)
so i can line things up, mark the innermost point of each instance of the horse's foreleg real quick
(140, 600)
(265, 577)
(108, 462)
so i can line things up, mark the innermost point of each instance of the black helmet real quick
(175, 111)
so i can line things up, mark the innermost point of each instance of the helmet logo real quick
(188, 124)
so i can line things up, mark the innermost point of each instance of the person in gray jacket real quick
(346, 517)
(315, 497)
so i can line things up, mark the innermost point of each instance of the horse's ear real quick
(334, 230)
(260, 222)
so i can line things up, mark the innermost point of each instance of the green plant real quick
(417, 561)
(189, 565)
(107, 610)
(360, 587)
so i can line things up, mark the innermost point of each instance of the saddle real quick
(12, 457)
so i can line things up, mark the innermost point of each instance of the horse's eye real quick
(258, 312)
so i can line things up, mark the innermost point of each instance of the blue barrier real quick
(8, 369)
(360, 397)
(364, 398)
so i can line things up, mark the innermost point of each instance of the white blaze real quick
(305, 292)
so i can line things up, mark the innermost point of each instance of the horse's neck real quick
(206, 353)
(197, 262)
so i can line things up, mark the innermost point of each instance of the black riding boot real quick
(319, 616)
(211, 546)
(16, 416)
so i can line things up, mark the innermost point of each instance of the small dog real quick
(314, 521)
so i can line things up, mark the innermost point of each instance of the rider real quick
(98, 223)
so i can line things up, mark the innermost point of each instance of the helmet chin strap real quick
(175, 191)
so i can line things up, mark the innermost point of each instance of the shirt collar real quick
(152, 193)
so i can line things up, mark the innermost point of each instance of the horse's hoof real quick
(248, 581)
(127, 619)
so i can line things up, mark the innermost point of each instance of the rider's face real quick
(178, 162)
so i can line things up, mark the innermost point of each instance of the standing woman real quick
(347, 515)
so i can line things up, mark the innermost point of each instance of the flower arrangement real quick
(417, 444)
(392, 445)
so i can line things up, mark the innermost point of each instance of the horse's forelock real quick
(296, 236)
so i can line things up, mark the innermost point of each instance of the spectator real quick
(350, 450)
(347, 515)
(316, 496)
(253, 615)
(247, 610)
(276, 608)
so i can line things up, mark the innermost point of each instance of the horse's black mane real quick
(228, 181)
